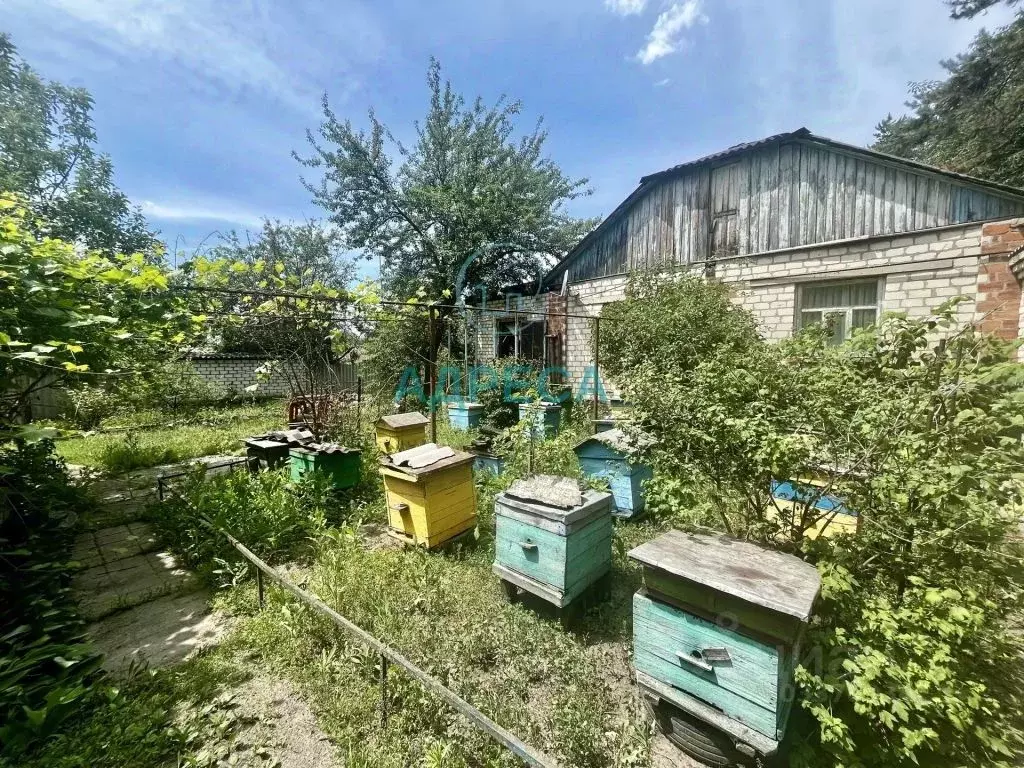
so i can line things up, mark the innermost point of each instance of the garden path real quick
(142, 604)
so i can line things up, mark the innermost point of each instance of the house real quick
(803, 228)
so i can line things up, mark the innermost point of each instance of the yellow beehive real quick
(401, 431)
(827, 513)
(430, 494)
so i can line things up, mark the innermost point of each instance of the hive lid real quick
(327, 448)
(551, 490)
(425, 458)
(620, 440)
(555, 498)
(287, 436)
(773, 580)
(401, 420)
(466, 404)
(257, 442)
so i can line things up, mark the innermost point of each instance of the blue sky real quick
(200, 102)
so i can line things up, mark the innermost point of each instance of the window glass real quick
(841, 306)
(862, 318)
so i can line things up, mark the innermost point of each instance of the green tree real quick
(466, 182)
(48, 156)
(968, 9)
(971, 122)
(312, 257)
(66, 315)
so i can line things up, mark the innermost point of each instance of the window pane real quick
(862, 294)
(837, 324)
(840, 295)
(809, 318)
(862, 318)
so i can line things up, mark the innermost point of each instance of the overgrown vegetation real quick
(917, 423)
(46, 665)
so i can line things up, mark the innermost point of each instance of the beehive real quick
(716, 631)
(341, 465)
(270, 454)
(401, 431)
(545, 417)
(465, 415)
(828, 514)
(608, 456)
(430, 494)
(551, 539)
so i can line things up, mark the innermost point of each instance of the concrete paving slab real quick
(160, 632)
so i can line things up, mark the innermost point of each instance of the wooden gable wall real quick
(797, 193)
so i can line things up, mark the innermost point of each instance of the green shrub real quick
(912, 657)
(272, 516)
(46, 666)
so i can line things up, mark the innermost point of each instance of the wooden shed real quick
(430, 494)
(610, 456)
(717, 629)
(551, 539)
(401, 431)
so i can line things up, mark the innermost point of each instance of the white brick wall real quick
(914, 291)
(233, 375)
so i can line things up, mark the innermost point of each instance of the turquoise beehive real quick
(610, 456)
(717, 630)
(552, 539)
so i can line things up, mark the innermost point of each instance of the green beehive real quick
(341, 465)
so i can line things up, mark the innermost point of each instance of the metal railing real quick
(388, 655)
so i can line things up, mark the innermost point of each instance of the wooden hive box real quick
(401, 431)
(341, 465)
(269, 453)
(829, 513)
(608, 456)
(717, 630)
(465, 415)
(551, 539)
(545, 417)
(430, 494)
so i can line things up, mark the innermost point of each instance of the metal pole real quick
(259, 587)
(359, 404)
(383, 691)
(431, 373)
(597, 363)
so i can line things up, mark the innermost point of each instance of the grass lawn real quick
(208, 431)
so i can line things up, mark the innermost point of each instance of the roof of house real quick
(715, 158)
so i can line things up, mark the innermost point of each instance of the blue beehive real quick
(546, 417)
(465, 415)
(551, 539)
(608, 456)
(717, 630)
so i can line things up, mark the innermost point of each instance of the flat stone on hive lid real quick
(554, 491)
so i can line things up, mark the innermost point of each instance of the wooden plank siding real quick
(780, 196)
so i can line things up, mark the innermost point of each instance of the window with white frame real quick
(842, 306)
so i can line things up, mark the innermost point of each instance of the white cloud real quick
(191, 211)
(667, 34)
(662, 83)
(224, 48)
(626, 7)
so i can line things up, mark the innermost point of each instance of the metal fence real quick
(388, 655)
